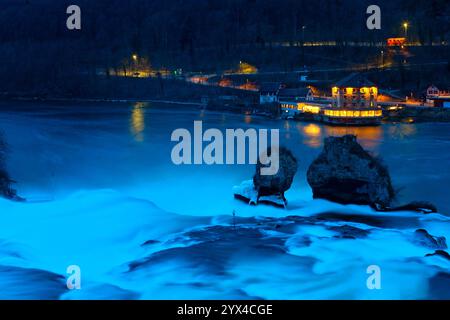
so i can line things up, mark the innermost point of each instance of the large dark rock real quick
(346, 173)
(280, 182)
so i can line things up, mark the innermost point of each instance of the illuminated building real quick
(296, 101)
(354, 102)
(438, 97)
(395, 42)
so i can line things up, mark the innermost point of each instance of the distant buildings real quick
(353, 102)
(297, 101)
(395, 42)
(268, 92)
(438, 97)
(295, 94)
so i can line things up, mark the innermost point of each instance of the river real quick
(59, 148)
(104, 197)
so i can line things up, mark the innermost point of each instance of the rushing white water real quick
(104, 195)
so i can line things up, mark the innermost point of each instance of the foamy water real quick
(104, 195)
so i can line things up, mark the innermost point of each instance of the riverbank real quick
(101, 100)
(418, 115)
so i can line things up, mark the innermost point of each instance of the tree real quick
(6, 190)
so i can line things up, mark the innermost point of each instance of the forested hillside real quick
(37, 50)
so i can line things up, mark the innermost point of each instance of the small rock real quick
(349, 232)
(418, 206)
(439, 253)
(423, 238)
(149, 242)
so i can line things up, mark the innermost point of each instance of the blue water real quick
(60, 148)
(104, 194)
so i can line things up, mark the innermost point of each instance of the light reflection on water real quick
(312, 134)
(368, 137)
(416, 154)
(137, 122)
(401, 131)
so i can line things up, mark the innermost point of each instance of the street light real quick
(303, 34)
(303, 44)
(134, 56)
(405, 26)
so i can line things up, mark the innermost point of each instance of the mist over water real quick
(58, 149)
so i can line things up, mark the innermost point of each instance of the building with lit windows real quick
(298, 101)
(354, 102)
(438, 97)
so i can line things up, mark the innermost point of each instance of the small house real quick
(295, 94)
(268, 92)
(438, 97)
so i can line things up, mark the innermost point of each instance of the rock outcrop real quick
(280, 182)
(423, 238)
(269, 189)
(439, 253)
(346, 173)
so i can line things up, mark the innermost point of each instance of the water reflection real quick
(312, 135)
(287, 125)
(137, 122)
(401, 131)
(368, 137)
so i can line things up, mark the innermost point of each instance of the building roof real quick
(294, 92)
(270, 87)
(354, 80)
(440, 86)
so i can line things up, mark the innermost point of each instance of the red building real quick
(396, 42)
